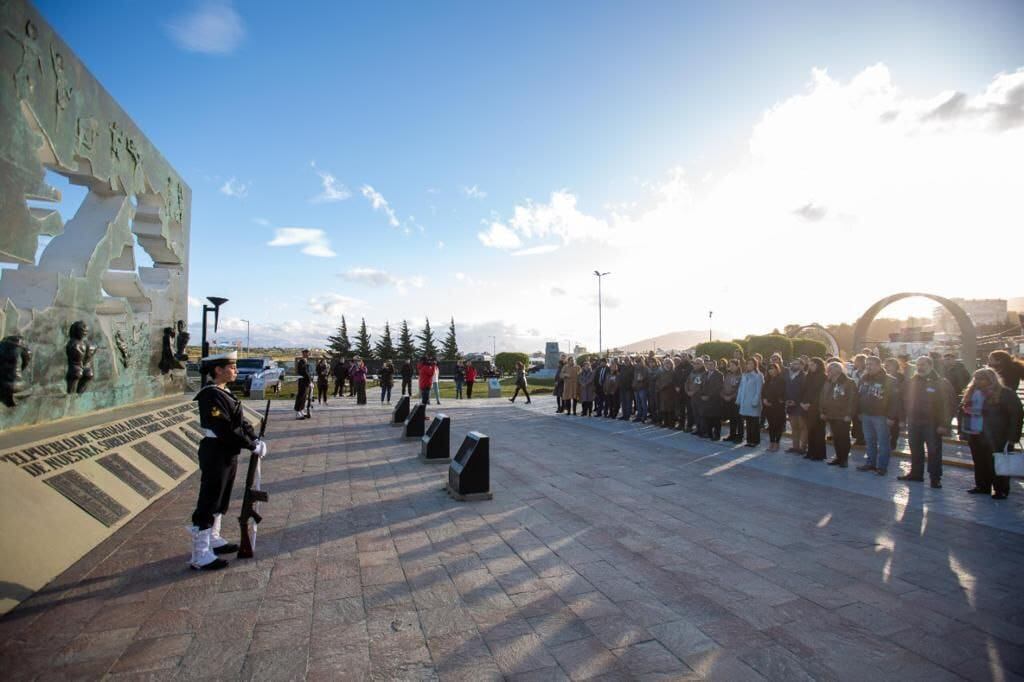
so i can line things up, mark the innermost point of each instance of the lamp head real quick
(217, 302)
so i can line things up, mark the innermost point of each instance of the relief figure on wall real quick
(14, 359)
(183, 337)
(167, 359)
(80, 354)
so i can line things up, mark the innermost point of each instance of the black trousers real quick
(339, 386)
(840, 429)
(815, 437)
(407, 386)
(611, 405)
(217, 476)
(776, 424)
(360, 393)
(321, 391)
(300, 395)
(469, 389)
(985, 467)
(515, 394)
(753, 428)
(732, 413)
(599, 402)
(712, 427)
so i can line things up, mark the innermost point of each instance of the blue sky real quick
(417, 148)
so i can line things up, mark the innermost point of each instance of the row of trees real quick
(765, 345)
(385, 348)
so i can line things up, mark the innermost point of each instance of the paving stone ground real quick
(610, 551)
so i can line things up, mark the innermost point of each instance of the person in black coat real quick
(407, 372)
(338, 372)
(773, 397)
(992, 420)
(810, 403)
(684, 410)
(710, 397)
(305, 384)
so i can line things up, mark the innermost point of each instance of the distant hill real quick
(674, 341)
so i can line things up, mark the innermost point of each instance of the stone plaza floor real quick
(610, 550)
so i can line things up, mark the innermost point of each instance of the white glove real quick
(261, 449)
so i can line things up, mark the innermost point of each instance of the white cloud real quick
(332, 190)
(536, 250)
(212, 27)
(261, 221)
(194, 302)
(373, 277)
(314, 242)
(440, 244)
(499, 236)
(379, 203)
(334, 305)
(558, 291)
(473, 192)
(234, 188)
(558, 218)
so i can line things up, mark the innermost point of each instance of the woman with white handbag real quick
(993, 421)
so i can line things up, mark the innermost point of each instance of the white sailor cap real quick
(221, 358)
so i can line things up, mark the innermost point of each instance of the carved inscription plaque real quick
(84, 493)
(158, 459)
(176, 439)
(130, 475)
(191, 436)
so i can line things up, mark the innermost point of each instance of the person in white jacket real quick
(748, 401)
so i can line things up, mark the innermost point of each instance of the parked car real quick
(260, 374)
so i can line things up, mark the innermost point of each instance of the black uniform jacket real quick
(221, 413)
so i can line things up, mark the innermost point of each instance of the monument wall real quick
(56, 116)
(94, 421)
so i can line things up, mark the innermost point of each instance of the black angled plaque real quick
(401, 411)
(130, 475)
(416, 421)
(158, 459)
(469, 474)
(90, 499)
(175, 439)
(435, 444)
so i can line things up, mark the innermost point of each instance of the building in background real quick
(984, 312)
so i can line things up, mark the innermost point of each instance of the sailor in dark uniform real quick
(305, 381)
(227, 433)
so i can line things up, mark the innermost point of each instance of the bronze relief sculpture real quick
(80, 353)
(14, 359)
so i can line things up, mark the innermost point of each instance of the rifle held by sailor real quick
(250, 517)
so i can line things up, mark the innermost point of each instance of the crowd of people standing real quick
(868, 402)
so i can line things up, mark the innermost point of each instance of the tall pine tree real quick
(339, 343)
(428, 345)
(363, 347)
(385, 348)
(450, 349)
(406, 347)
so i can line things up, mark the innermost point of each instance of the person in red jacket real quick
(425, 368)
(470, 379)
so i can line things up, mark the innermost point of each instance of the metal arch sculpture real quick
(968, 333)
(833, 344)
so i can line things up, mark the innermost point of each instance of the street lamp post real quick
(217, 302)
(494, 348)
(247, 347)
(709, 325)
(600, 341)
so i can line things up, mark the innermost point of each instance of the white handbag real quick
(1009, 463)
